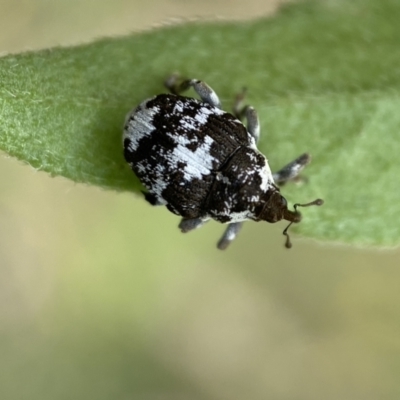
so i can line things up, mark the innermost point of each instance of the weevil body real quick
(202, 163)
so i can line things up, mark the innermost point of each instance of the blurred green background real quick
(101, 297)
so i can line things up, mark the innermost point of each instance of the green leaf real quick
(324, 77)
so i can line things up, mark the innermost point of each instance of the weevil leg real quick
(253, 124)
(240, 111)
(176, 85)
(187, 225)
(229, 235)
(291, 171)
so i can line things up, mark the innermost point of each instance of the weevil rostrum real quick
(202, 163)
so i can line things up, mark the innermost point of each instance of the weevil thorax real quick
(275, 209)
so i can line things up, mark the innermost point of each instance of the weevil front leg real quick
(291, 171)
(176, 85)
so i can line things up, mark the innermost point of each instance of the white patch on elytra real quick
(178, 109)
(139, 124)
(198, 162)
(202, 116)
(182, 140)
(187, 124)
(179, 139)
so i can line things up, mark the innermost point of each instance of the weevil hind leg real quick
(176, 85)
(241, 111)
(291, 171)
(189, 224)
(229, 235)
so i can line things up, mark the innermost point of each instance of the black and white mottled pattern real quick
(202, 163)
(196, 159)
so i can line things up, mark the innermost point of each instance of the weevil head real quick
(276, 209)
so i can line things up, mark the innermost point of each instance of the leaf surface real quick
(324, 77)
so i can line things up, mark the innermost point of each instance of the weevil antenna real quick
(317, 202)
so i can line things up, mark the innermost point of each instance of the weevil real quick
(202, 163)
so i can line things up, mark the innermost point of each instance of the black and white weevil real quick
(202, 163)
